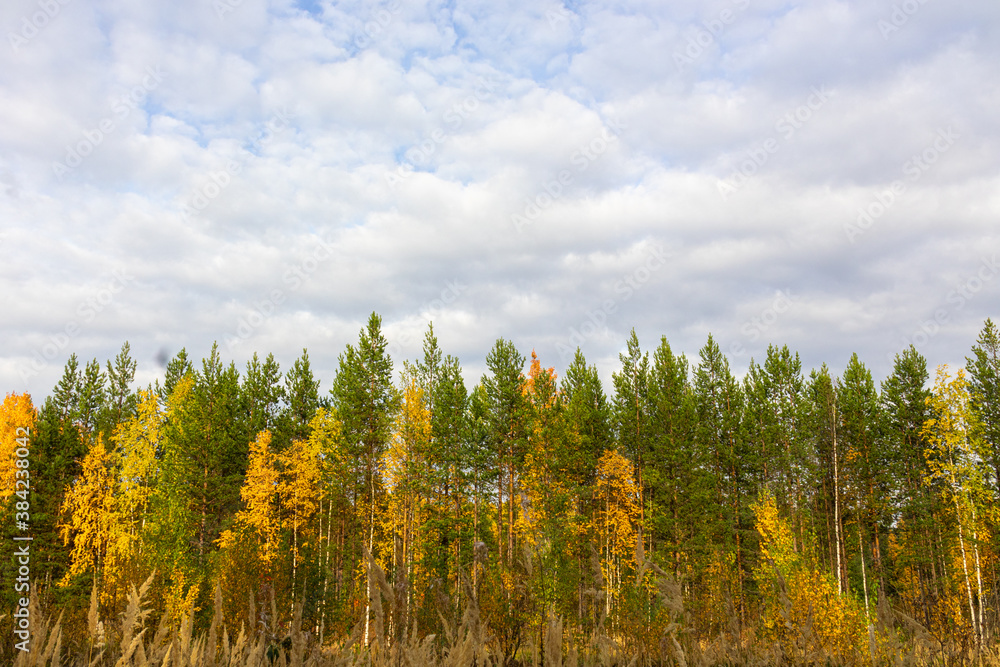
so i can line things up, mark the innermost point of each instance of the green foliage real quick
(684, 518)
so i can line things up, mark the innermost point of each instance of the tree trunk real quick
(368, 560)
(836, 499)
(979, 572)
(965, 570)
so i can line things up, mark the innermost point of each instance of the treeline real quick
(779, 501)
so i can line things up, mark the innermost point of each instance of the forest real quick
(681, 516)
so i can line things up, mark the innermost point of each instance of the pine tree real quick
(631, 413)
(121, 400)
(865, 462)
(904, 409)
(92, 399)
(550, 520)
(773, 415)
(589, 416)
(215, 447)
(337, 483)
(260, 396)
(984, 387)
(679, 475)
(302, 395)
(506, 409)
(66, 395)
(822, 422)
(177, 368)
(482, 460)
(58, 450)
(447, 456)
(366, 403)
(720, 442)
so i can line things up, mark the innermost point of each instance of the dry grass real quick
(898, 641)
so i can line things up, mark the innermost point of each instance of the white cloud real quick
(409, 137)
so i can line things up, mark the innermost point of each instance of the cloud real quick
(503, 170)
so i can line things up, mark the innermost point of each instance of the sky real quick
(265, 174)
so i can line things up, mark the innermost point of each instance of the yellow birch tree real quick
(135, 469)
(89, 516)
(955, 459)
(616, 521)
(298, 491)
(17, 419)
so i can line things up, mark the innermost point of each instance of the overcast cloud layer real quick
(265, 174)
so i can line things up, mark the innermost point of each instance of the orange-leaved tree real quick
(17, 419)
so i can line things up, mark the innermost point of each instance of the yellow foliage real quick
(616, 520)
(803, 608)
(298, 487)
(180, 599)
(777, 545)
(17, 418)
(103, 509)
(618, 512)
(136, 443)
(955, 445)
(411, 438)
(403, 524)
(89, 513)
(259, 495)
(135, 469)
(325, 434)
